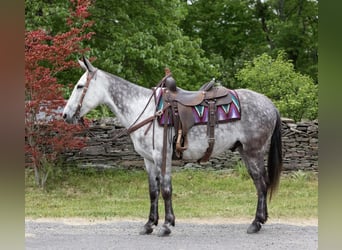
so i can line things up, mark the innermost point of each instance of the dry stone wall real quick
(300, 149)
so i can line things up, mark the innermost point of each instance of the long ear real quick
(88, 65)
(83, 66)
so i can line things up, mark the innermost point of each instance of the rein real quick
(133, 127)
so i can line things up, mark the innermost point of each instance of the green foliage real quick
(197, 40)
(241, 171)
(229, 32)
(294, 94)
(234, 31)
(101, 111)
(300, 175)
(47, 15)
(292, 26)
(136, 42)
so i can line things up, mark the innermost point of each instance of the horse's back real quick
(256, 106)
(258, 116)
(250, 97)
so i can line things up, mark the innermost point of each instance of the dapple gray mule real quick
(257, 132)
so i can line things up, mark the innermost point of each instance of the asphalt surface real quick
(76, 234)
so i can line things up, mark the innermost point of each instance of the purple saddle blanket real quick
(224, 113)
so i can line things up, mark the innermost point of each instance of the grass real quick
(196, 194)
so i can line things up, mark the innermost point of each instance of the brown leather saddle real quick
(182, 103)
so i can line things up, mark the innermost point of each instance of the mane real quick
(123, 82)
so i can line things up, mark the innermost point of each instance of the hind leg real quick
(256, 169)
(154, 189)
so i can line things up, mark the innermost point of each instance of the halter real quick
(79, 106)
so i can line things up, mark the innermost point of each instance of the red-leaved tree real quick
(46, 134)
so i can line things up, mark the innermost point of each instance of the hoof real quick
(146, 230)
(164, 231)
(254, 228)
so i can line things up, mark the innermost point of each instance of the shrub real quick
(46, 135)
(294, 94)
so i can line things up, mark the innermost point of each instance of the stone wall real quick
(300, 149)
(300, 145)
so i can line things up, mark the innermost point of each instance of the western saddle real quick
(180, 111)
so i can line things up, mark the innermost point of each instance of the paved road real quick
(69, 234)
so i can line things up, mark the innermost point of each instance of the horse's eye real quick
(79, 86)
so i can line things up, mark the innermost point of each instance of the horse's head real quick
(86, 95)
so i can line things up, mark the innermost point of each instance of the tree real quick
(47, 55)
(50, 16)
(294, 94)
(292, 26)
(229, 33)
(57, 17)
(235, 31)
(136, 41)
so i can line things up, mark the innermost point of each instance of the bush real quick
(294, 94)
(46, 55)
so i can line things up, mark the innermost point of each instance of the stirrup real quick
(179, 147)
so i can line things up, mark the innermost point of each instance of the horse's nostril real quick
(64, 116)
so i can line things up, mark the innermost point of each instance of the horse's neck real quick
(128, 100)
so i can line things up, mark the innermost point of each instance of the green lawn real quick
(196, 194)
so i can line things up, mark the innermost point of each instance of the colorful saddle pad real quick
(224, 113)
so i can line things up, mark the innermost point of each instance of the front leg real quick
(166, 188)
(154, 189)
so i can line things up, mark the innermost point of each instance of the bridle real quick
(85, 88)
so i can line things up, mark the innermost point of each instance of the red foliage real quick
(80, 8)
(47, 135)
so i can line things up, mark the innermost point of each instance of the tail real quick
(275, 158)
